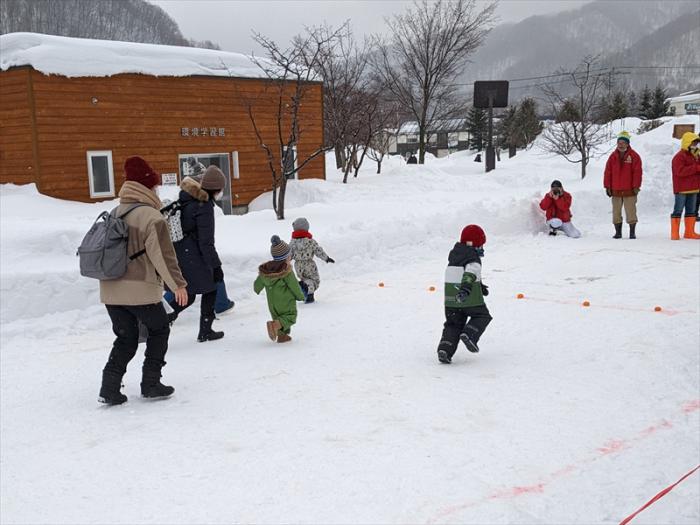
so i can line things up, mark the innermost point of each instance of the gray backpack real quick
(103, 252)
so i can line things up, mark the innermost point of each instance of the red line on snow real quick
(658, 496)
(612, 446)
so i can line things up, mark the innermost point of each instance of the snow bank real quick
(358, 221)
(82, 57)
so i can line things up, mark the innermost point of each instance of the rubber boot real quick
(110, 392)
(151, 387)
(273, 328)
(283, 338)
(618, 231)
(205, 331)
(675, 228)
(689, 223)
(633, 234)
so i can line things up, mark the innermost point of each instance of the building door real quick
(220, 160)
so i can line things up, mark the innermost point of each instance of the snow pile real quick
(82, 57)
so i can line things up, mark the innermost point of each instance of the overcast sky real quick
(229, 22)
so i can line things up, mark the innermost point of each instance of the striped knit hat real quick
(279, 249)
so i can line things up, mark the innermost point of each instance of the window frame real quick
(110, 168)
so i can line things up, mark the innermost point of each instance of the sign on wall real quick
(204, 131)
(168, 179)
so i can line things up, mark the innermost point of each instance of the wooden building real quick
(72, 110)
(443, 137)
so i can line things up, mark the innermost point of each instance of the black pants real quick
(206, 306)
(125, 324)
(472, 320)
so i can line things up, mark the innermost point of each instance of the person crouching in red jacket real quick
(622, 182)
(685, 167)
(557, 207)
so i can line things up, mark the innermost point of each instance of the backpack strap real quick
(127, 212)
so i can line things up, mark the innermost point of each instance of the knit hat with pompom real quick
(279, 249)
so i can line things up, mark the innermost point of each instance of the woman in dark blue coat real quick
(196, 252)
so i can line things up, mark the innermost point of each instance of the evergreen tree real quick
(645, 104)
(569, 112)
(504, 128)
(659, 104)
(527, 124)
(477, 126)
(632, 108)
(618, 107)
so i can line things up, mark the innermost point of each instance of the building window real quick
(100, 174)
(291, 167)
(412, 138)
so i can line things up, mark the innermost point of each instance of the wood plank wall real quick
(143, 115)
(17, 159)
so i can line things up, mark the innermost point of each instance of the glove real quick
(484, 290)
(462, 294)
(608, 192)
(218, 274)
(636, 190)
(329, 260)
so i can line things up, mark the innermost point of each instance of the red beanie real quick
(473, 235)
(137, 170)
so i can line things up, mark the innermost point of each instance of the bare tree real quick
(428, 49)
(290, 74)
(575, 135)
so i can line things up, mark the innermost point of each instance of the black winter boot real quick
(309, 298)
(110, 392)
(633, 234)
(618, 231)
(205, 331)
(445, 352)
(471, 345)
(151, 387)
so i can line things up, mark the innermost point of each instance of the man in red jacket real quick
(686, 186)
(622, 182)
(557, 207)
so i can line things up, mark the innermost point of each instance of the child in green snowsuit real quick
(282, 289)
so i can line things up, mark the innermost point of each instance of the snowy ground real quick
(568, 415)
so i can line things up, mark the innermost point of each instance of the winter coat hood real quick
(134, 192)
(462, 254)
(274, 269)
(687, 139)
(194, 189)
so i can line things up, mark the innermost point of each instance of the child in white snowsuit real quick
(304, 247)
(466, 314)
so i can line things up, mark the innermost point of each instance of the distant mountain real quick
(652, 32)
(125, 20)
(675, 43)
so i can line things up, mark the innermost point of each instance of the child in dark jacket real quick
(466, 314)
(282, 289)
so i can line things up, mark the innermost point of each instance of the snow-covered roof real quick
(455, 124)
(82, 57)
(693, 97)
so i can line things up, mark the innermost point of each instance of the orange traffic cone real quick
(675, 228)
(690, 228)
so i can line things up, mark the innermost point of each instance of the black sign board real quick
(497, 90)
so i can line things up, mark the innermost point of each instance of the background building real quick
(72, 110)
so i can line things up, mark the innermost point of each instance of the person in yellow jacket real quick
(685, 168)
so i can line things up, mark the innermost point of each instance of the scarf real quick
(301, 234)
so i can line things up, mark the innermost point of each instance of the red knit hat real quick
(137, 170)
(473, 235)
